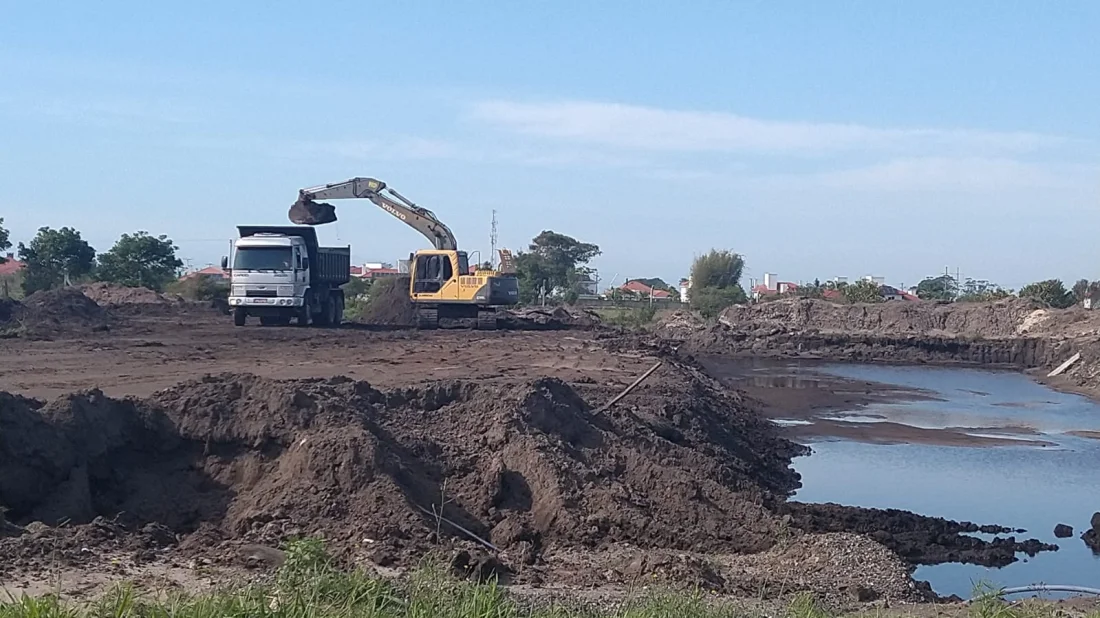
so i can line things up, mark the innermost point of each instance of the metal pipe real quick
(1044, 588)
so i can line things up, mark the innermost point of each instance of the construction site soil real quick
(169, 436)
(1015, 333)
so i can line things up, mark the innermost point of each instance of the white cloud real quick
(958, 174)
(655, 129)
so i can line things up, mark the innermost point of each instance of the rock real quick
(1063, 531)
(1092, 539)
(1095, 521)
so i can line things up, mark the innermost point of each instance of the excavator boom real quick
(308, 211)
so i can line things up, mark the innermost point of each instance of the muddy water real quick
(1035, 474)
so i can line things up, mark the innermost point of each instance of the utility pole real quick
(493, 242)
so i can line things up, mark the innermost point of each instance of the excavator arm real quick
(308, 211)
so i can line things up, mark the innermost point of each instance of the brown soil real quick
(308, 212)
(389, 304)
(1012, 333)
(52, 313)
(236, 457)
(501, 428)
(550, 318)
(916, 538)
(107, 294)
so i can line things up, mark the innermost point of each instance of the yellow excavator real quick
(442, 283)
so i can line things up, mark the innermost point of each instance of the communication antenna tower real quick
(493, 241)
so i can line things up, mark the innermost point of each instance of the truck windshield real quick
(262, 258)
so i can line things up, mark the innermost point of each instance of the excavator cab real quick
(432, 271)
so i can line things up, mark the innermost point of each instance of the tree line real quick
(554, 267)
(59, 257)
(1051, 292)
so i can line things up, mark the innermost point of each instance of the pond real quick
(1033, 474)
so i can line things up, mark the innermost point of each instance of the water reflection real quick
(1018, 486)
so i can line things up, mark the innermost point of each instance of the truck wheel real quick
(332, 312)
(322, 317)
(339, 319)
(240, 316)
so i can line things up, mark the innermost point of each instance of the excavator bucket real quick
(308, 212)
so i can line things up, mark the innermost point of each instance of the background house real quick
(772, 286)
(641, 290)
(210, 272)
(10, 279)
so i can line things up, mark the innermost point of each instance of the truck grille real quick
(261, 293)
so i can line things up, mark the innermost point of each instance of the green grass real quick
(310, 585)
(629, 317)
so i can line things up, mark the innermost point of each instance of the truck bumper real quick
(264, 303)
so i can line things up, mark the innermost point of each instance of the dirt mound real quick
(680, 325)
(531, 468)
(388, 304)
(1004, 318)
(53, 312)
(554, 318)
(917, 539)
(1012, 332)
(107, 294)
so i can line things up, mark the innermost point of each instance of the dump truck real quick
(281, 273)
(443, 285)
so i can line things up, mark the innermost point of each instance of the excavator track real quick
(427, 318)
(487, 320)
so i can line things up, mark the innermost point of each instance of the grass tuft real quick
(309, 584)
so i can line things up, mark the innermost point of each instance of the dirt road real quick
(144, 354)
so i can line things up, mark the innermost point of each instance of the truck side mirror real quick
(225, 262)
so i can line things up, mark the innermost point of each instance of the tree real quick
(863, 292)
(554, 263)
(812, 290)
(55, 258)
(1051, 292)
(980, 290)
(358, 287)
(716, 282)
(5, 240)
(140, 260)
(1080, 289)
(943, 287)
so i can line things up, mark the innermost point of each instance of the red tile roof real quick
(640, 288)
(371, 273)
(209, 271)
(11, 266)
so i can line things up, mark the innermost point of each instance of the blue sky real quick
(817, 139)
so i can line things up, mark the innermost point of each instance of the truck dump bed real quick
(332, 265)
